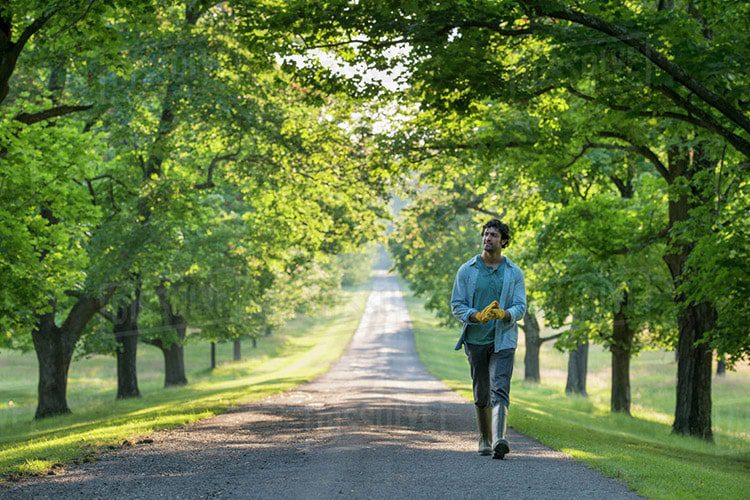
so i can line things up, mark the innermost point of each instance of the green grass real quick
(640, 450)
(302, 350)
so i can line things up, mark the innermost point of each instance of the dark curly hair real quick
(502, 228)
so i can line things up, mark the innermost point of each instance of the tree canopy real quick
(208, 163)
(625, 123)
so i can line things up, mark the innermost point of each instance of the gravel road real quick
(376, 425)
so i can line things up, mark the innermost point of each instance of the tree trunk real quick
(126, 334)
(53, 353)
(721, 367)
(237, 351)
(533, 344)
(10, 51)
(213, 355)
(174, 365)
(54, 348)
(578, 369)
(255, 342)
(127, 375)
(693, 409)
(693, 405)
(173, 351)
(622, 346)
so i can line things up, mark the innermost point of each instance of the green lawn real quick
(639, 451)
(303, 349)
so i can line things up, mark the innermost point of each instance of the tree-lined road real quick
(376, 425)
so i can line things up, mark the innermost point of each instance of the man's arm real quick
(460, 307)
(517, 308)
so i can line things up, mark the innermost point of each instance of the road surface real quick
(377, 425)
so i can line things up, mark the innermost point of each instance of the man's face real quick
(491, 239)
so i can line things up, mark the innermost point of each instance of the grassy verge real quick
(640, 451)
(304, 349)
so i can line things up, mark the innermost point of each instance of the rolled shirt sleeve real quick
(517, 308)
(460, 301)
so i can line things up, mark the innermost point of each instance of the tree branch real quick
(542, 340)
(211, 167)
(10, 51)
(473, 205)
(645, 114)
(472, 145)
(592, 251)
(540, 91)
(577, 157)
(642, 150)
(84, 309)
(625, 190)
(91, 191)
(696, 14)
(642, 243)
(556, 10)
(30, 118)
(494, 27)
(573, 91)
(74, 21)
(701, 118)
(32, 28)
(107, 315)
(356, 41)
(707, 121)
(112, 179)
(154, 342)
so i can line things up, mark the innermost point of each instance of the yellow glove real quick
(488, 312)
(498, 313)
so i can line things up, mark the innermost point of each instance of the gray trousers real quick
(490, 374)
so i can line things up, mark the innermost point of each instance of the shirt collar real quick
(478, 262)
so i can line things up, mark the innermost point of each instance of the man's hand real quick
(489, 312)
(498, 313)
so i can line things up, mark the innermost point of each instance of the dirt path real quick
(376, 425)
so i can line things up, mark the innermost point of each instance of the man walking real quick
(489, 297)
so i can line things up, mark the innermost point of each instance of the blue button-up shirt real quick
(489, 286)
(512, 299)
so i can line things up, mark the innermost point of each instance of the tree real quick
(48, 214)
(592, 267)
(111, 223)
(639, 69)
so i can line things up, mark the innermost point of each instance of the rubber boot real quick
(500, 445)
(484, 423)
